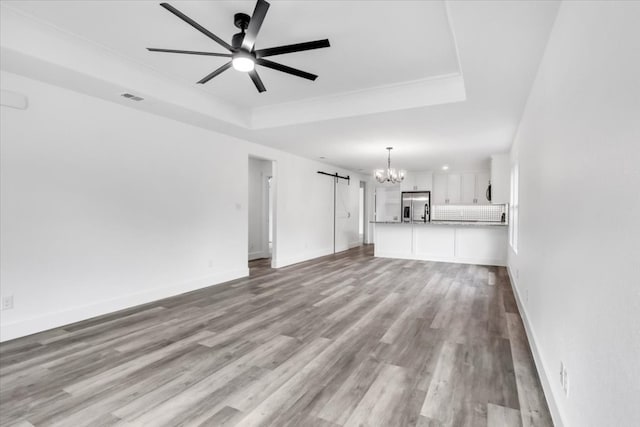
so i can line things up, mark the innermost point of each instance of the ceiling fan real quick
(243, 55)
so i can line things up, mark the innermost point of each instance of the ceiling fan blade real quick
(189, 52)
(257, 81)
(290, 48)
(285, 69)
(197, 26)
(254, 25)
(220, 70)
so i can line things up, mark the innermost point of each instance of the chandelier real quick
(389, 174)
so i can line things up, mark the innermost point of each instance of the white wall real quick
(577, 270)
(258, 208)
(304, 206)
(104, 207)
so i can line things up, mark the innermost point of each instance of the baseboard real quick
(355, 244)
(533, 343)
(258, 255)
(306, 256)
(9, 331)
(457, 260)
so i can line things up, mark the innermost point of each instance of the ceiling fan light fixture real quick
(243, 63)
(241, 52)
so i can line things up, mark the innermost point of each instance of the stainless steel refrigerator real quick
(416, 206)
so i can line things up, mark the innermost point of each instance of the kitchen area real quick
(444, 216)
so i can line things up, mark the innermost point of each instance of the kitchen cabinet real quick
(466, 188)
(500, 178)
(423, 181)
(474, 188)
(408, 183)
(446, 188)
(454, 188)
(469, 188)
(468, 244)
(417, 181)
(439, 194)
(482, 182)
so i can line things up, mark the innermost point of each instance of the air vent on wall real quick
(132, 97)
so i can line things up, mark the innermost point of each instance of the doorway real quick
(362, 213)
(261, 215)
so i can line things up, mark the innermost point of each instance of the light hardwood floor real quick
(344, 340)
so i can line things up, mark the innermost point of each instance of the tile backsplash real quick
(485, 213)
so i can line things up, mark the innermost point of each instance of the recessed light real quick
(322, 157)
(445, 167)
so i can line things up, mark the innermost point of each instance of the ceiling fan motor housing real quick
(236, 40)
(240, 20)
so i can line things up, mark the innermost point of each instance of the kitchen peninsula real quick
(445, 241)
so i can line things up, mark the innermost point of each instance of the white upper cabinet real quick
(500, 179)
(408, 183)
(424, 181)
(417, 181)
(469, 188)
(482, 182)
(439, 193)
(466, 188)
(454, 188)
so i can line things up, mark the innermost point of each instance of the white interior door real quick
(345, 215)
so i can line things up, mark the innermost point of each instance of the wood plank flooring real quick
(344, 340)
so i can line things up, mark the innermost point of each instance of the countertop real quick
(454, 223)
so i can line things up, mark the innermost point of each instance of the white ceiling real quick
(360, 56)
(396, 48)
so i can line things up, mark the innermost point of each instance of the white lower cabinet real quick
(480, 243)
(436, 242)
(466, 244)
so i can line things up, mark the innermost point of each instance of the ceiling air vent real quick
(132, 97)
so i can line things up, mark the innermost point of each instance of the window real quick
(515, 207)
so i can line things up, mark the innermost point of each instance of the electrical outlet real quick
(210, 263)
(7, 302)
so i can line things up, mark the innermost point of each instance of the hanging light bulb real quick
(390, 174)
